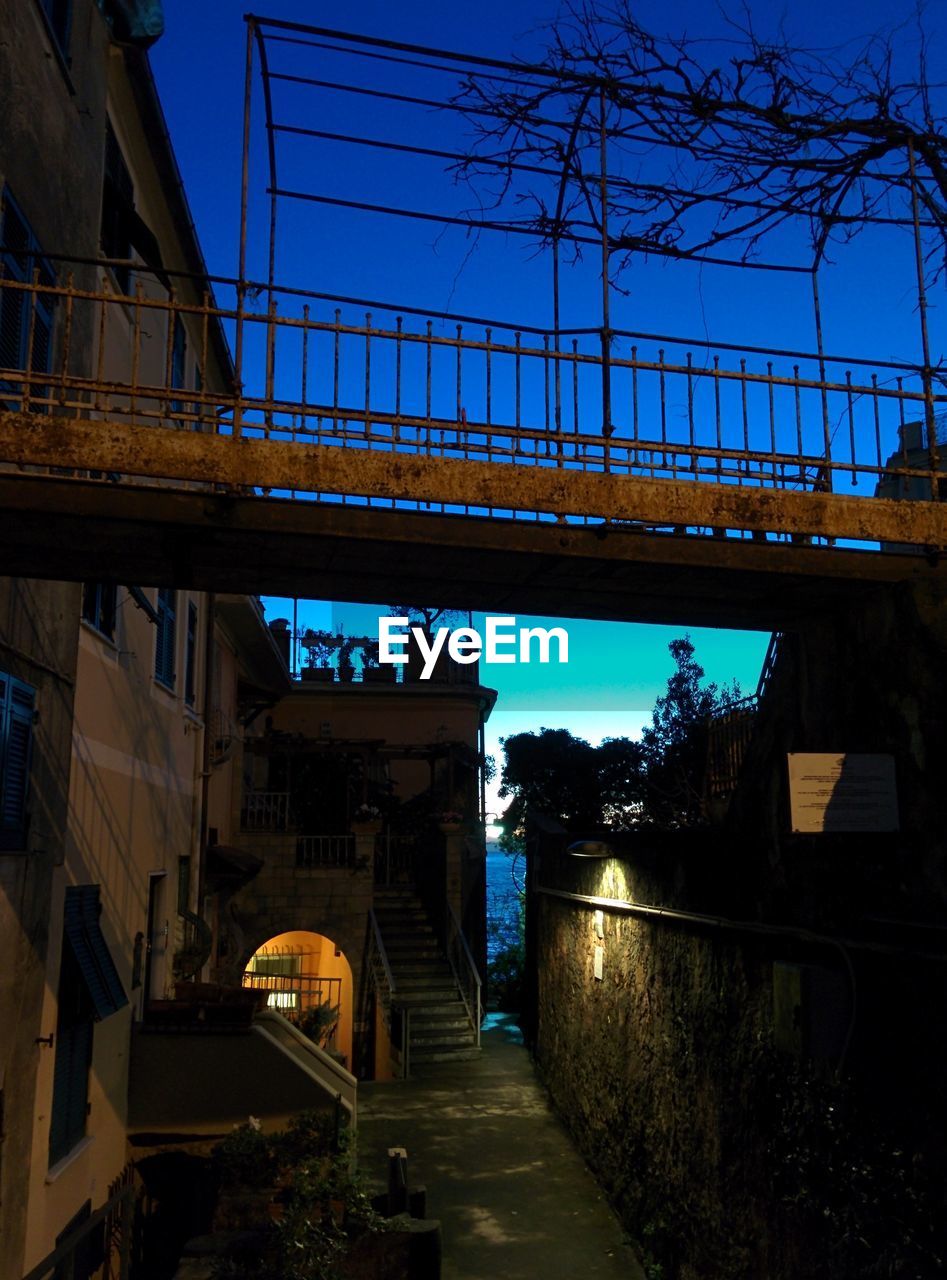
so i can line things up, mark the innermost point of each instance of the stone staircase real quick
(440, 1030)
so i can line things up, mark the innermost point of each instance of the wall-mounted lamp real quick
(590, 849)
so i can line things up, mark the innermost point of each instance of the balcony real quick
(265, 811)
(325, 851)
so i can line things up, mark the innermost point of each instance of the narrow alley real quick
(513, 1196)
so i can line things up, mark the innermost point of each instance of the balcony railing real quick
(325, 851)
(728, 737)
(291, 994)
(265, 811)
(389, 382)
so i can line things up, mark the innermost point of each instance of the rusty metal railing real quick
(384, 380)
(728, 737)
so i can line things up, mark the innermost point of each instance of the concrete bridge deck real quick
(186, 510)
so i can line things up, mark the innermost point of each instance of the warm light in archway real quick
(309, 981)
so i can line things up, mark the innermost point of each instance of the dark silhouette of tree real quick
(621, 783)
(565, 777)
(675, 743)
(427, 616)
(711, 145)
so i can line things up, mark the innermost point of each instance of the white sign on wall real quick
(835, 793)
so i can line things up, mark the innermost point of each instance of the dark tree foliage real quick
(570, 780)
(621, 783)
(675, 743)
(427, 616)
(712, 144)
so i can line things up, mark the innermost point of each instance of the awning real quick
(91, 951)
(229, 865)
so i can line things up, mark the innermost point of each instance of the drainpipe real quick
(211, 608)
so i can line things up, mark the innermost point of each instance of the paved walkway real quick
(513, 1195)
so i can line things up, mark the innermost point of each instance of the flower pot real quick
(380, 675)
(320, 675)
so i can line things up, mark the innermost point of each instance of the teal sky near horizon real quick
(615, 673)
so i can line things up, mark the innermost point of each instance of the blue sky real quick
(616, 671)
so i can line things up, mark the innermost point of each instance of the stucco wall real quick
(38, 646)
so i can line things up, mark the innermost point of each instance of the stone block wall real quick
(764, 1101)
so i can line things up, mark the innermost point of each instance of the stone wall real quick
(758, 1090)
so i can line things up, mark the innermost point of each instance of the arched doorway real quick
(309, 982)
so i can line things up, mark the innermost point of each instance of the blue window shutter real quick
(73, 1050)
(84, 935)
(190, 657)
(67, 1123)
(165, 638)
(16, 738)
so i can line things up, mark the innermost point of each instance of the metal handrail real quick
(119, 1207)
(470, 991)
(389, 997)
(379, 947)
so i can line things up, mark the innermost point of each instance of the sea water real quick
(505, 876)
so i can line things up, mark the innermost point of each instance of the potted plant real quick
(372, 669)
(366, 820)
(319, 647)
(450, 820)
(347, 645)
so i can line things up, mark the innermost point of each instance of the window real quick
(118, 202)
(26, 318)
(165, 638)
(16, 734)
(59, 16)
(73, 1059)
(123, 230)
(98, 606)
(190, 654)
(89, 990)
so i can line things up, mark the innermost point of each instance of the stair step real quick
(456, 1030)
(458, 1041)
(429, 1000)
(422, 1056)
(435, 968)
(435, 991)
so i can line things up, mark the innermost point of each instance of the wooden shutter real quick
(73, 1049)
(165, 638)
(16, 736)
